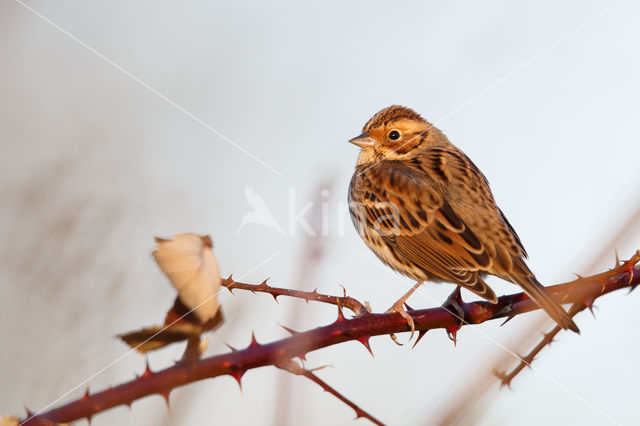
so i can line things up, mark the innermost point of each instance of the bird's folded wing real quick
(403, 205)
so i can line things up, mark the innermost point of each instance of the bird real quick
(426, 210)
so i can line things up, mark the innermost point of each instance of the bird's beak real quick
(363, 140)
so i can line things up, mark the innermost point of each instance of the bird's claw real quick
(399, 308)
(394, 338)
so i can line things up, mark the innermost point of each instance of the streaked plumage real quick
(427, 211)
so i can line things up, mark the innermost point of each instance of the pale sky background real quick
(543, 96)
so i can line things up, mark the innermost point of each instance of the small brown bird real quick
(426, 210)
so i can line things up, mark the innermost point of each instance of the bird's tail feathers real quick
(548, 302)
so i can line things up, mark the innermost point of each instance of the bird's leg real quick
(399, 308)
(452, 305)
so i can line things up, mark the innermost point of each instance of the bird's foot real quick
(399, 308)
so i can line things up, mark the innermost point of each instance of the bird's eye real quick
(394, 135)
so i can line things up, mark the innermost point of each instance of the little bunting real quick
(422, 206)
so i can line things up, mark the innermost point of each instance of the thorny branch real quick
(547, 339)
(582, 291)
(345, 301)
(294, 368)
(475, 396)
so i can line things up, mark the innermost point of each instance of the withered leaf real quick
(189, 263)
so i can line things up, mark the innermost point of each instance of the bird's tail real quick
(546, 301)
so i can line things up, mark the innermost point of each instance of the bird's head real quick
(393, 134)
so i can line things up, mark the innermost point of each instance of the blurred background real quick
(121, 121)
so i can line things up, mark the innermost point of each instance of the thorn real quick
(290, 330)
(589, 304)
(578, 275)
(88, 419)
(314, 294)
(344, 290)
(85, 397)
(359, 413)
(452, 332)
(238, 376)
(420, 334)
(29, 412)
(617, 258)
(165, 395)
(509, 318)
(407, 307)
(230, 347)
(546, 337)
(228, 283)
(263, 286)
(365, 341)
(254, 342)
(147, 370)
(504, 381)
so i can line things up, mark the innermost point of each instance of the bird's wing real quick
(470, 197)
(407, 208)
